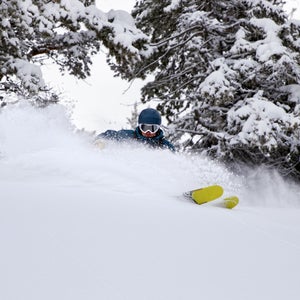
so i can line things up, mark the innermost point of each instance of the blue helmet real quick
(149, 116)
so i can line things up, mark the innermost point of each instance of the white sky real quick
(99, 102)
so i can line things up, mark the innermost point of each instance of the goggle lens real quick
(153, 128)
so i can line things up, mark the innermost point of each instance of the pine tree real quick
(68, 32)
(133, 120)
(227, 76)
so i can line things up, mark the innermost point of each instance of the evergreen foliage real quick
(133, 120)
(227, 75)
(68, 32)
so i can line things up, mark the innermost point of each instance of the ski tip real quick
(231, 202)
(218, 187)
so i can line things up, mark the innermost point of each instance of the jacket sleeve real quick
(169, 145)
(109, 134)
(116, 135)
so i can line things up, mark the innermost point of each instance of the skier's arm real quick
(99, 142)
(169, 145)
(109, 134)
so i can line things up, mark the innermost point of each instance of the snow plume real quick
(25, 129)
(44, 141)
(266, 188)
(40, 144)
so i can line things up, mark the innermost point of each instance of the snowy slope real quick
(80, 223)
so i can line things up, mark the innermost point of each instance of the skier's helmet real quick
(149, 116)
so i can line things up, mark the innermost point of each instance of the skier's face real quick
(149, 130)
(148, 134)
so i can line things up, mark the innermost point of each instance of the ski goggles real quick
(153, 128)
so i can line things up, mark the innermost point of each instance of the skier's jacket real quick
(158, 141)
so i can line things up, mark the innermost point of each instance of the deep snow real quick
(80, 223)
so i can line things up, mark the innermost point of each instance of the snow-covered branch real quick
(67, 31)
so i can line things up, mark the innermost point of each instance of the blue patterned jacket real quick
(158, 141)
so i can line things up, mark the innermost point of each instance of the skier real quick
(148, 132)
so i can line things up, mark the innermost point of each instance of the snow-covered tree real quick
(227, 75)
(68, 32)
(133, 120)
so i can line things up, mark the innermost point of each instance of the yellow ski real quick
(206, 194)
(231, 202)
(210, 193)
